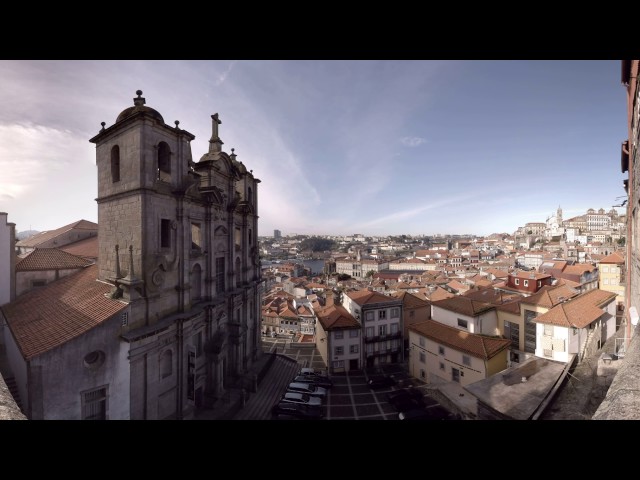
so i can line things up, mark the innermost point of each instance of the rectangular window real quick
(220, 287)
(394, 328)
(463, 323)
(196, 238)
(517, 281)
(165, 233)
(369, 332)
(442, 366)
(605, 269)
(338, 351)
(548, 330)
(369, 348)
(466, 360)
(382, 330)
(606, 281)
(353, 349)
(94, 404)
(353, 333)
(338, 364)
(455, 375)
(422, 374)
(382, 314)
(368, 316)
(440, 350)
(529, 331)
(512, 332)
(526, 283)
(395, 312)
(422, 341)
(338, 335)
(423, 357)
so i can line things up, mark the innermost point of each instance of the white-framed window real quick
(526, 283)
(422, 341)
(395, 312)
(466, 360)
(382, 314)
(517, 281)
(394, 328)
(368, 317)
(606, 281)
(462, 323)
(338, 364)
(338, 334)
(353, 333)
(605, 269)
(440, 350)
(548, 330)
(354, 349)
(338, 351)
(423, 357)
(95, 403)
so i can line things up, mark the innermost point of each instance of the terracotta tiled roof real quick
(479, 346)
(52, 315)
(614, 257)
(39, 238)
(463, 305)
(578, 269)
(531, 275)
(550, 296)
(336, 317)
(367, 297)
(579, 311)
(457, 285)
(491, 295)
(87, 248)
(50, 259)
(512, 306)
(439, 294)
(410, 300)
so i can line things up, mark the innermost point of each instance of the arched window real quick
(196, 282)
(238, 273)
(166, 364)
(115, 163)
(164, 162)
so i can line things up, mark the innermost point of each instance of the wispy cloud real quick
(412, 141)
(223, 76)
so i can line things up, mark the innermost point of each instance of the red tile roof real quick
(52, 315)
(50, 259)
(550, 296)
(39, 238)
(439, 294)
(367, 297)
(480, 346)
(410, 300)
(87, 248)
(336, 317)
(463, 305)
(614, 257)
(579, 311)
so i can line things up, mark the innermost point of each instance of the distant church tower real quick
(178, 240)
(559, 216)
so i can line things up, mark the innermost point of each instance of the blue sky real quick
(341, 147)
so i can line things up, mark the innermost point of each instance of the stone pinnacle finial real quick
(139, 101)
(103, 124)
(177, 122)
(130, 261)
(118, 274)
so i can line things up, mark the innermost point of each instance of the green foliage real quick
(317, 244)
(621, 241)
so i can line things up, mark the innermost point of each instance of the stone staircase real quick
(258, 405)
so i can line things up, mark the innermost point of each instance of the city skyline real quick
(342, 147)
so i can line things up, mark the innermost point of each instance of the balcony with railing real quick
(384, 351)
(383, 338)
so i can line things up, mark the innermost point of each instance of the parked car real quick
(321, 381)
(436, 412)
(381, 382)
(311, 371)
(305, 398)
(308, 388)
(297, 411)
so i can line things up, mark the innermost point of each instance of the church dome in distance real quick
(139, 106)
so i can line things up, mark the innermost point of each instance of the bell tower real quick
(144, 170)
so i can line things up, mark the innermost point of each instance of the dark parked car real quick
(318, 380)
(296, 411)
(381, 382)
(311, 371)
(436, 412)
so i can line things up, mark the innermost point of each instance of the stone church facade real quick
(178, 242)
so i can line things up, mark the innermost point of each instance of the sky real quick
(341, 147)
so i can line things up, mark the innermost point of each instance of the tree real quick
(370, 273)
(621, 241)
